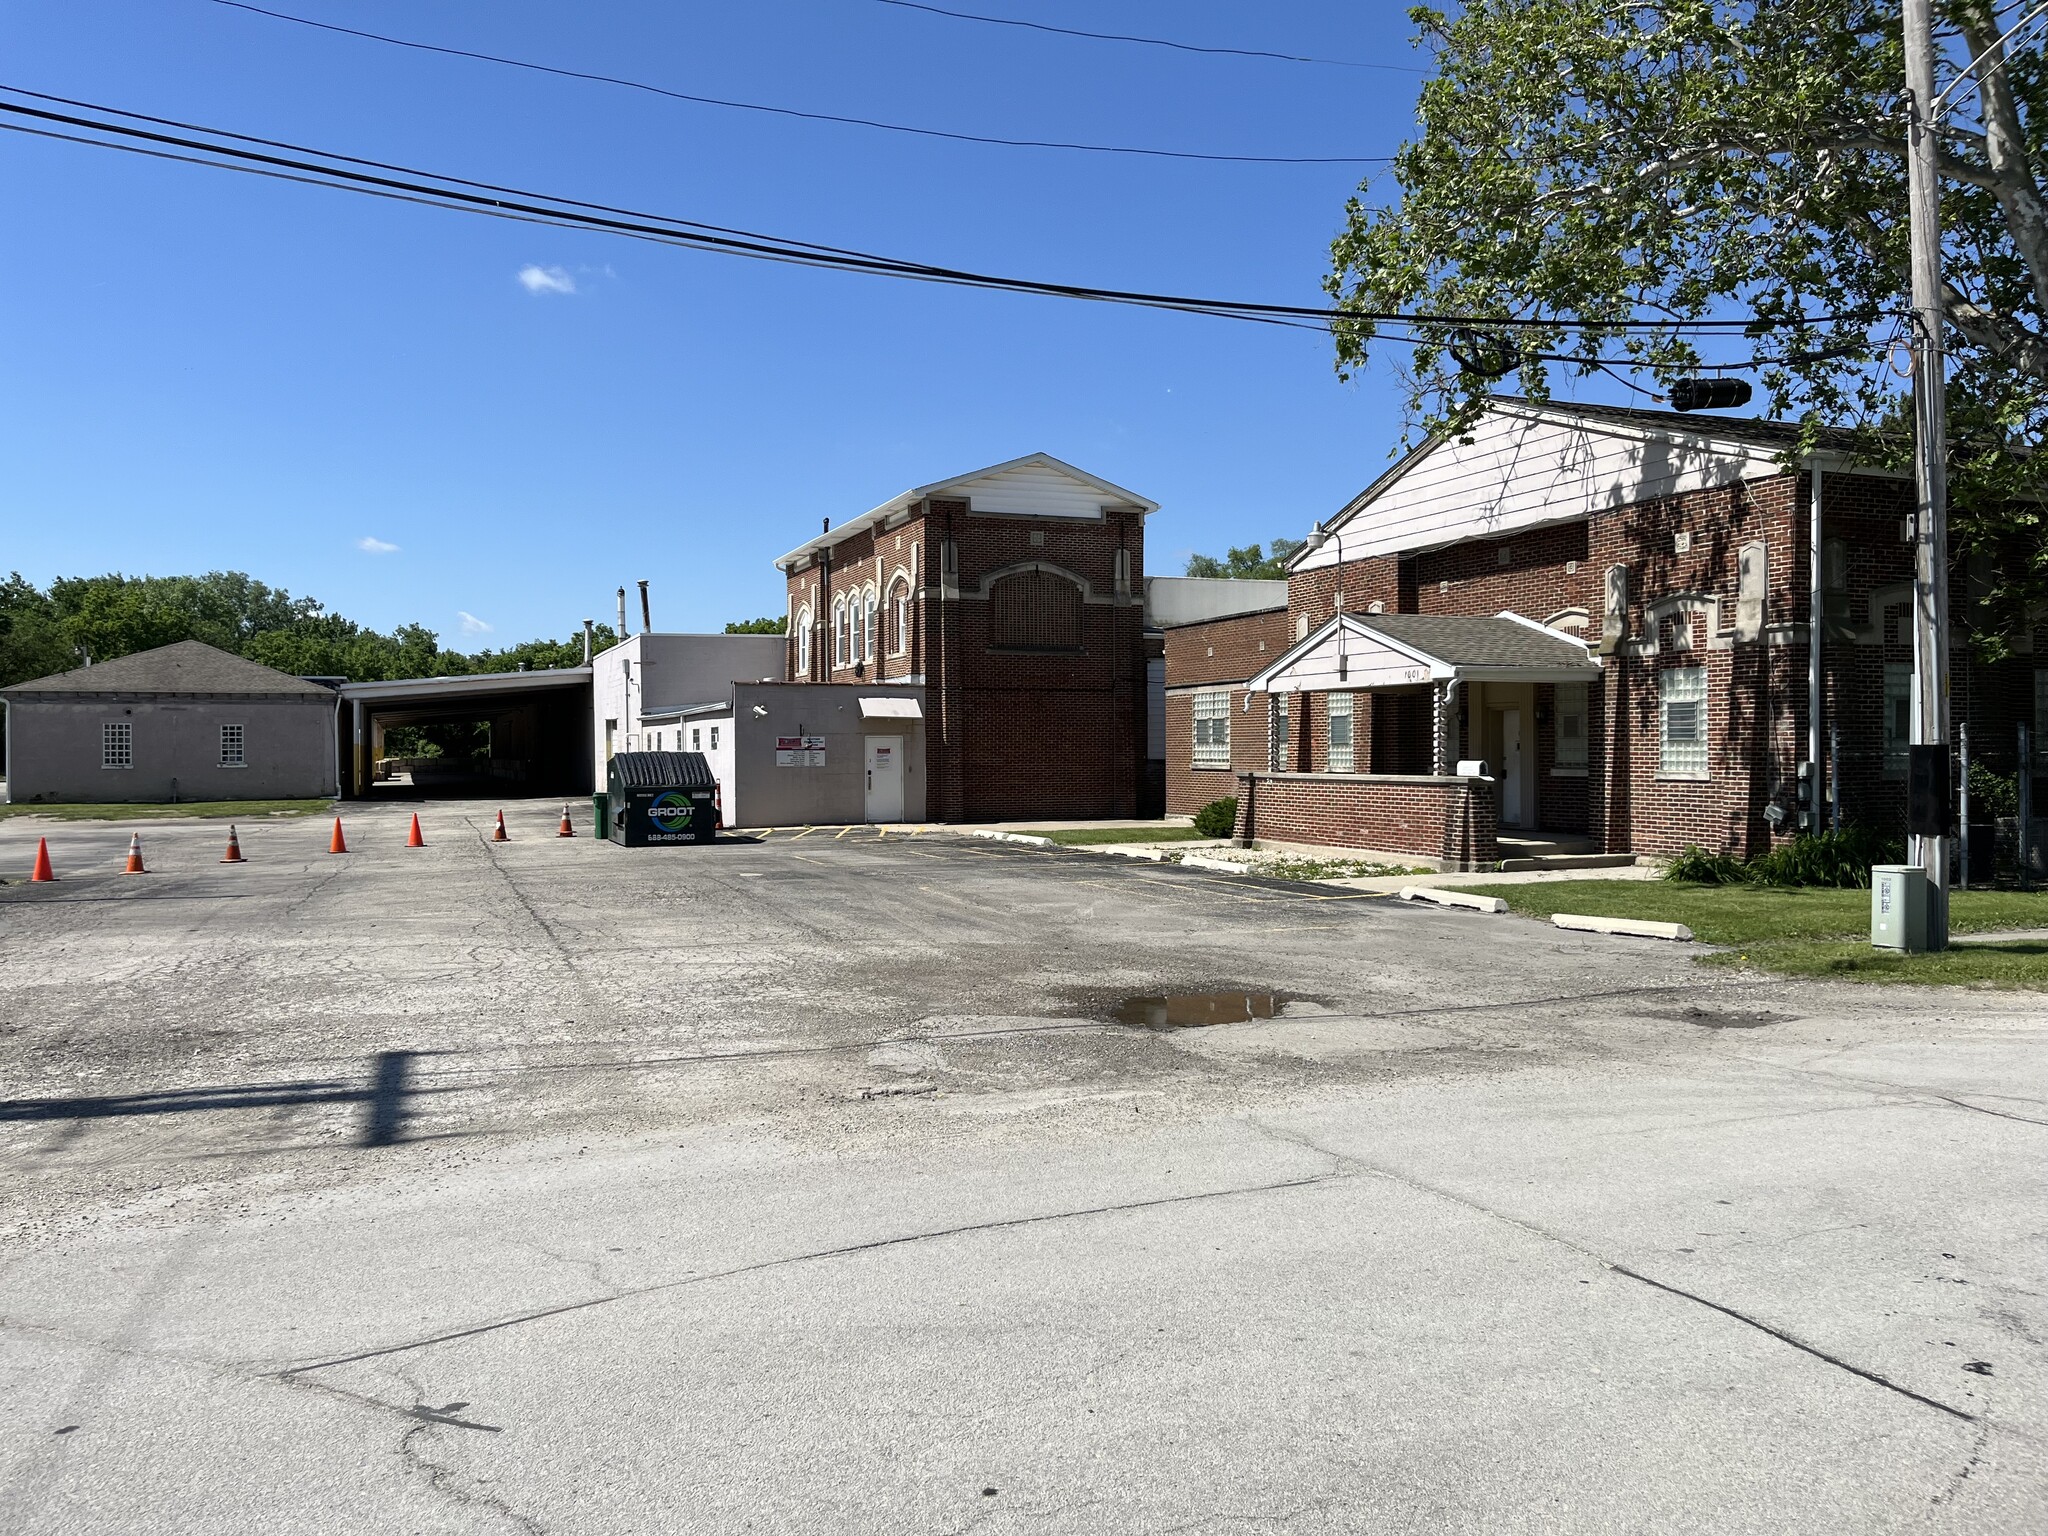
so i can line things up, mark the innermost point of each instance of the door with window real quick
(885, 778)
(1511, 767)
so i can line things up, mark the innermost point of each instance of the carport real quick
(539, 730)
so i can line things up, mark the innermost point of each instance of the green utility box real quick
(658, 798)
(1898, 907)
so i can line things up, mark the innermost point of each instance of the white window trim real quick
(127, 729)
(1211, 707)
(241, 743)
(1665, 770)
(899, 600)
(872, 611)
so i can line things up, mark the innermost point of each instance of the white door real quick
(885, 778)
(1511, 767)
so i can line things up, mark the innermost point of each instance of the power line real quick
(1150, 42)
(412, 185)
(812, 117)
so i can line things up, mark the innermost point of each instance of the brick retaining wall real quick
(1449, 822)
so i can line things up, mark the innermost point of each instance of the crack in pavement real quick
(848, 1250)
(1295, 1138)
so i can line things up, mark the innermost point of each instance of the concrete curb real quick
(1631, 927)
(1452, 898)
(1221, 866)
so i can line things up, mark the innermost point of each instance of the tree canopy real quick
(102, 617)
(1250, 563)
(1616, 172)
(778, 625)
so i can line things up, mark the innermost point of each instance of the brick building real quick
(1609, 610)
(1014, 596)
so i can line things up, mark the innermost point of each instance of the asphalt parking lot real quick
(866, 1183)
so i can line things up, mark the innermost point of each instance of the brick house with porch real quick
(1604, 615)
(1014, 597)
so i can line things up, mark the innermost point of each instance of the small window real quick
(1276, 749)
(1340, 733)
(901, 638)
(867, 641)
(696, 739)
(714, 738)
(231, 747)
(117, 744)
(1212, 730)
(1571, 725)
(803, 643)
(1682, 741)
(1898, 714)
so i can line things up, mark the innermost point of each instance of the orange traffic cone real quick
(413, 838)
(234, 853)
(498, 832)
(135, 855)
(337, 843)
(567, 830)
(42, 869)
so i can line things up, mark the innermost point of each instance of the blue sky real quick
(204, 370)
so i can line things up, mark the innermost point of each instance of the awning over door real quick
(890, 709)
(1404, 650)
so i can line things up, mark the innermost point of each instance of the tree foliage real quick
(778, 625)
(99, 618)
(1601, 163)
(1250, 563)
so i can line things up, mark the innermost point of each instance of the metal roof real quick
(428, 689)
(186, 667)
(662, 770)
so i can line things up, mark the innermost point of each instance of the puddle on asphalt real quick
(1709, 1018)
(1198, 1010)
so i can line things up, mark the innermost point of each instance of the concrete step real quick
(1517, 862)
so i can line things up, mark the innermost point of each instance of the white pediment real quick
(1527, 468)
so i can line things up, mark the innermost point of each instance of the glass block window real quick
(231, 744)
(1682, 738)
(1571, 725)
(1340, 733)
(1898, 714)
(1212, 730)
(117, 744)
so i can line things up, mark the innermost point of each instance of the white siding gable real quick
(1032, 490)
(1521, 471)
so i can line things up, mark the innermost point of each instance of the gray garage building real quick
(182, 722)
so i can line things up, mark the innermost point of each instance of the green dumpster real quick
(597, 810)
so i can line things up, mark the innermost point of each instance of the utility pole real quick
(1930, 445)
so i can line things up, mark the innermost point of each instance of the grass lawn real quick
(242, 809)
(1806, 932)
(1071, 837)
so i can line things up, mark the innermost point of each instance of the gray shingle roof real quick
(188, 667)
(1477, 642)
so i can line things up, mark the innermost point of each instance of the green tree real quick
(775, 626)
(1666, 161)
(1250, 563)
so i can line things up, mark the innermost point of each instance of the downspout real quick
(1815, 600)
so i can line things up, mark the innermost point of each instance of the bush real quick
(1992, 795)
(1840, 860)
(1696, 866)
(1218, 818)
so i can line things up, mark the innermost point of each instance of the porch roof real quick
(1395, 650)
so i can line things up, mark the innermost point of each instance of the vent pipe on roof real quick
(646, 618)
(623, 631)
(589, 640)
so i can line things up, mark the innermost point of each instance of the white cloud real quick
(540, 280)
(471, 624)
(374, 546)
